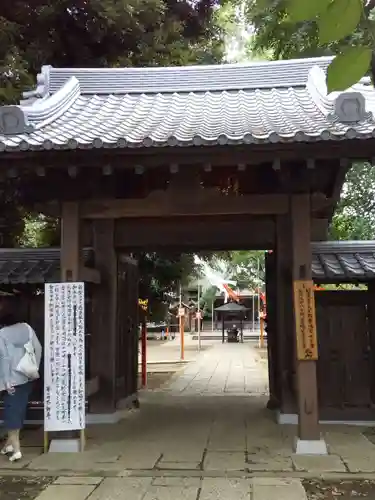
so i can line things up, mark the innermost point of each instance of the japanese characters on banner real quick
(304, 305)
(64, 357)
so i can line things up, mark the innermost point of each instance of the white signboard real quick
(64, 357)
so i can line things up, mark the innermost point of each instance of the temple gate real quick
(210, 157)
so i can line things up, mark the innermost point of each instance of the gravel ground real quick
(343, 490)
(22, 488)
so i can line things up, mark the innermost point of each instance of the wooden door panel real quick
(345, 362)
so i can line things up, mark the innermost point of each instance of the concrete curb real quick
(329, 476)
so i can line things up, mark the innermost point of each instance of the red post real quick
(182, 337)
(144, 354)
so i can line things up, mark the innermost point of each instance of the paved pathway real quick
(204, 436)
(225, 369)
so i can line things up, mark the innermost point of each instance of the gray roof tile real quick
(32, 266)
(332, 262)
(183, 79)
(203, 105)
(343, 261)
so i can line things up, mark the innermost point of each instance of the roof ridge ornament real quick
(42, 85)
(317, 88)
(13, 121)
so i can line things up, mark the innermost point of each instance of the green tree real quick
(298, 28)
(101, 33)
(275, 32)
(245, 267)
(354, 217)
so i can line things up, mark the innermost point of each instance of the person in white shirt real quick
(16, 386)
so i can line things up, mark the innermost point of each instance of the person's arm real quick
(5, 365)
(37, 347)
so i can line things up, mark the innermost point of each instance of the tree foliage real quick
(102, 33)
(303, 28)
(274, 31)
(354, 217)
(245, 267)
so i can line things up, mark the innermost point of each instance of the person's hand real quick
(10, 389)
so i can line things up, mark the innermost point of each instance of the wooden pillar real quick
(308, 410)
(271, 329)
(104, 334)
(371, 326)
(284, 316)
(70, 242)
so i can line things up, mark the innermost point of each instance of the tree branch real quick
(369, 6)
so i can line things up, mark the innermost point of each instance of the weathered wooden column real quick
(71, 253)
(284, 318)
(271, 329)
(371, 325)
(309, 439)
(103, 340)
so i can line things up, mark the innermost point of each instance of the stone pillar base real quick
(311, 447)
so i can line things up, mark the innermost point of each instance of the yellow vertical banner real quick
(304, 313)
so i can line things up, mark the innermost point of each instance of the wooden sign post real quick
(143, 304)
(304, 304)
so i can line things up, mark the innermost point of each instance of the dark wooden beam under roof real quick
(213, 156)
(200, 233)
(196, 203)
(183, 234)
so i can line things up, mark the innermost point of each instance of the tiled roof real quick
(183, 78)
(32, 266)
(337, 261)
(263, 102)
(343, 261)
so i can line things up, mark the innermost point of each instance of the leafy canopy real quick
(102, 33)
(300, 28)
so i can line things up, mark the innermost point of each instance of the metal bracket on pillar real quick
(276, 164)
(174, 168)
(139, 169)
(107, 170)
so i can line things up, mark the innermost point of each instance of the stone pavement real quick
(204, 435)
(225, 369)
(169, 351)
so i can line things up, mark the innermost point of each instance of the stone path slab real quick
(171, 493)
(71, 492)
(225, 489)
(263, 461)
(278, 489)
(318, 465)
(120, 489)
(224, 461)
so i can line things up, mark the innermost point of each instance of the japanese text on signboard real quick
(304, 306)
(64, 357)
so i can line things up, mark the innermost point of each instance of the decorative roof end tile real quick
(350, 107)
(13, 121)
